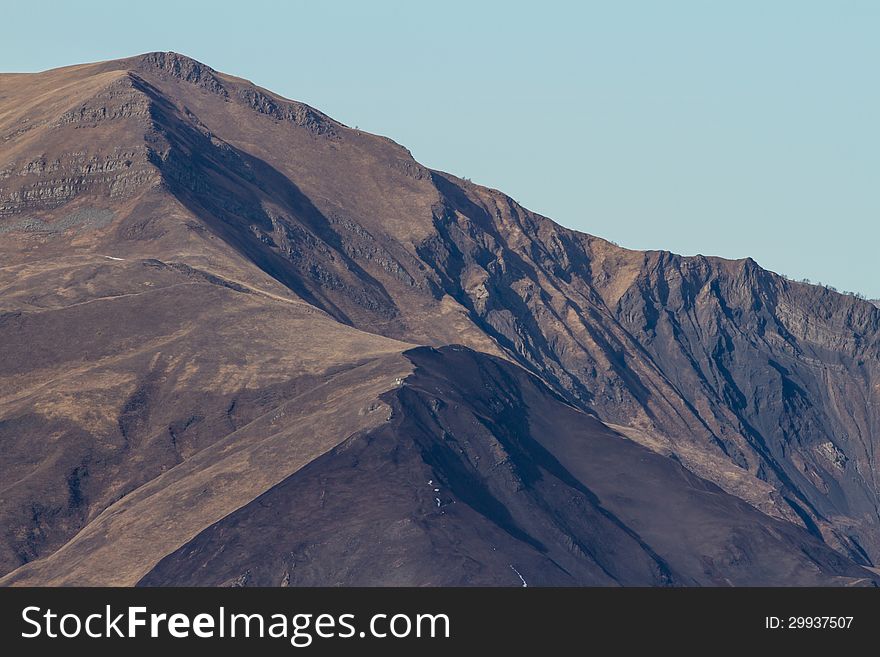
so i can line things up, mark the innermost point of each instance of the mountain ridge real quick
(765, 387)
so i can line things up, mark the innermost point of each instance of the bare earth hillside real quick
(243, 343)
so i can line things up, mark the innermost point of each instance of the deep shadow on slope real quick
(260, 213)
(484, 476)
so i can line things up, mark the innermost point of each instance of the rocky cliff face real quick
(714, 359)
(157, 175)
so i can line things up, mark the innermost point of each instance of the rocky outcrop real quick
(180, 67)
(296, 113)
(110, 159)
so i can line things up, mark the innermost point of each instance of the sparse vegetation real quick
(827, 286)
(281, 385)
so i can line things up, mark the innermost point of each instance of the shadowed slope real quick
(485, 476)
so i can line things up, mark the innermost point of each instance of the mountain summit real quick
(246, 344)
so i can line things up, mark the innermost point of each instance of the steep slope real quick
(715, 358)
(152, 209)
(486, 477)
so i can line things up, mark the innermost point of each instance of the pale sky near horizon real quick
(740, 128)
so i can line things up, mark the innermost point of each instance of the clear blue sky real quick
(746, 127)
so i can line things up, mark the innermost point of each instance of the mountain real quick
(246, 344)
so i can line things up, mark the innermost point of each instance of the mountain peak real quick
(174, 65)
(170, 59)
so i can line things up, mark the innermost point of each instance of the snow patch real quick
(521, 578)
